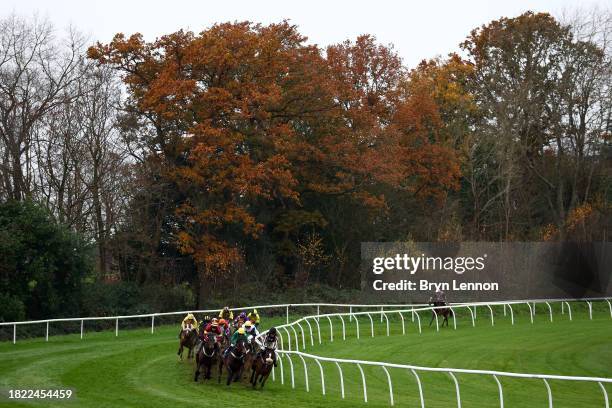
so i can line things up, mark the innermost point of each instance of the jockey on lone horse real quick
(438, 300)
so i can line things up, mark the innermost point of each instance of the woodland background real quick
(241, 163)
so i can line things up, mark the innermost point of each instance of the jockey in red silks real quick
(213, 327)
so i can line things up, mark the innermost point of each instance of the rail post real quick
(14, 334)
(605, 393)
(371, 324)
(82, 328)
(291, 368)
(318, 329)
(454, 318)
(116, 327)
(511, 314)
(418, 320)
(456, 388)
(501, 392)
(492, 319)
(350, 313)
(288, 338)
(357, 326)
(403, 323)
(47, 333)
(152, 324)
(549, 311)
(387, 320)
(390, 385)
(331, 329)
(303, 336)
(610, 307)
(550, 399)
(420, 387)
(287, 314)
(530, 312)
(322, 376)
(310, 330)
(343, 327)
(472, 315)
(305, 372)
(569, 310)
(282, 371)
(342, 378)
(363, 380)
(297, 342)
(590, 310)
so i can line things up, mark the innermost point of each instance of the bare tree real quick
(35, 70)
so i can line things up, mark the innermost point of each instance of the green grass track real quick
(138, 369)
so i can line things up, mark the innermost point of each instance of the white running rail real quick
(293, 347)
(287, 306)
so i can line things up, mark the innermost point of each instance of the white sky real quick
(418, 29)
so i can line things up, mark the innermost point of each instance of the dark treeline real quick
(242, 162)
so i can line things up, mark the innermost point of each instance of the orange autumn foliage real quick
(243, 115)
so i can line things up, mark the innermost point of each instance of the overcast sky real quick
(419, 29)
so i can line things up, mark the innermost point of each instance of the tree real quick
(43, 263)
(34, 73)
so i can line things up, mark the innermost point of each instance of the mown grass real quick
(139, 369)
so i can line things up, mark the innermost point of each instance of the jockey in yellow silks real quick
(189, 322)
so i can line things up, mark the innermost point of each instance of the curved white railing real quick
(286, 306)
(415, 369)
(293, 346)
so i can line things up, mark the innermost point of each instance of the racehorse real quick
(206, 356)
(440, 311)
(251, 351)
(233, 362)
(262, 366)
(187, 339)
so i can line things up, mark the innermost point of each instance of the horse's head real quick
(210, 340)
(241, 347)
(268, 356)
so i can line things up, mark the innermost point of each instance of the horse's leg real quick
(263, 380)
(230, 375)
(197, 372)
(252, 375)
(180, 352)
(220, 371)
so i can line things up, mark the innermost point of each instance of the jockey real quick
(224, 327)
(254, 317)
(270, 343)
(213, 327)
(236, 337)
(203, 323)
(226, 314)
(250, 330)
(438, 298)
(240, 319)
(189, 323)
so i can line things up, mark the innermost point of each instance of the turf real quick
(139, 369)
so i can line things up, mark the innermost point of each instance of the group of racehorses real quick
(210, 351)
